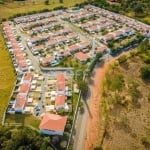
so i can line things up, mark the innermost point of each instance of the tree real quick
(63, 144)
(46, 2)
(144, 45)
(122, 59)
(146, 142)
(138, 9)
(61, 111)
(145, 72)
(22, 138)
(98, 148)
(83, 87)
(61, 1)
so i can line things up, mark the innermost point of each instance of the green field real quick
(7, 77)
(11, 8)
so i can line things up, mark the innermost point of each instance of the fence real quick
(75, 116)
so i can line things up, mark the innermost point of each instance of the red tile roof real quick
(38, 48)
(118, 33)
(20, 101)
(84, 44)
(47, 59)
(53, 122)
(60, 100)
(101, 48)
(24, 88)
(109, 36)
(61, 81)
(82, 56)
(28, 76)
(74, 47)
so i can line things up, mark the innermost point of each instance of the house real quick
(72, 36)
(60, 83)
(102, 49)
(92, 29)
(24, 89)
(36, 49)
(118, 34)
(84, 45)
(60, 101)
(20, 103)
(52, 124)
(128, 31)
(73, 48)
(82, 57)
(48, 61)
(52, 42)
(27, 77)
(62, 53)
(22, 66)
(108, 37)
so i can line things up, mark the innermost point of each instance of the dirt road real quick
(92, 129)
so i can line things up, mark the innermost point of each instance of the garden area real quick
(22, 119)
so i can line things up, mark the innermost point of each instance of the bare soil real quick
(92, 132)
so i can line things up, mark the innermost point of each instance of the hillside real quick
(126, 101)
(138, 9)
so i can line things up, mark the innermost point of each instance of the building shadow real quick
(88, 109)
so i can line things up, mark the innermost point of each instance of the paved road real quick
(33, 59)
(80, 128)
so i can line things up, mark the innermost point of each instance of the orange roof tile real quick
(48, 59)
(20, 101)
(24, 88)
(28, 76)
(60, 100)
(101, 48)
(53, 122)
(61, 81)
(81, 56)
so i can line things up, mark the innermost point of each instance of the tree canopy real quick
(22, 139)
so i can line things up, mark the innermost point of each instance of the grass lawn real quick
(11, 8)
(7, 77)
(75, 100)
(72, 62)
(24, 119)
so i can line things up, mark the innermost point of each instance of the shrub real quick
(122, 59)
(145, 72)
(46, 2)
(116, 82)
(146, 141)
(98, 148)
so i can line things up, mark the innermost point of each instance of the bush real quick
(98, 148)
(122, 59)
(63, 144)
(146, 141)
(117, 82)
(46, 2)
(145, 72)
(68, 126)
